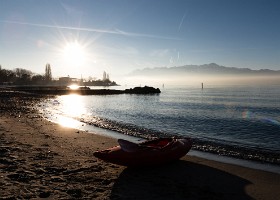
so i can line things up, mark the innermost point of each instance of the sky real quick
(86, 37)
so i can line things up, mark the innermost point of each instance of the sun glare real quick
(73, 87)
(74, 54)
(73, 105)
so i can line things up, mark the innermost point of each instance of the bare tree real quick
(48, 73)
(22, 72)
(37, 79)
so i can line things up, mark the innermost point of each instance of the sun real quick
(74, 54)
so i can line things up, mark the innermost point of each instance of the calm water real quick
(242, 122)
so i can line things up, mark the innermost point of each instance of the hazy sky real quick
(86, 37)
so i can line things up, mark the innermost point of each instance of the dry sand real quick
(40, 159)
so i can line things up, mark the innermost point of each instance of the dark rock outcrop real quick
(142, 90)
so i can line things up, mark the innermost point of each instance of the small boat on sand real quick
(152, 152)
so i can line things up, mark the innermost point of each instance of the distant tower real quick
(107, 78)
(104, 76)
(201, 85)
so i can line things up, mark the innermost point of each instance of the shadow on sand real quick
(178, 180)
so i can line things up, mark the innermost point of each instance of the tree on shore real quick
(20, 76)
(37, 79)
(48, 73)
(23, 76)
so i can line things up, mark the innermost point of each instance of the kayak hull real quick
(153, 152)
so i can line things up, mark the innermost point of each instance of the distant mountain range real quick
(206, 69)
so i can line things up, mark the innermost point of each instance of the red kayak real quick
(152, 152)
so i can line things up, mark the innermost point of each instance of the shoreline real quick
(83, 126)
(221, 145)
(82, 90)
(268, 167)
(41, 159)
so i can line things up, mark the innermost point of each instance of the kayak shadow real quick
(178, 180)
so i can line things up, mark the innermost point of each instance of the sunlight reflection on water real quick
(68, 122)
(72, 105)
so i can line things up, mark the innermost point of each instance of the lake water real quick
(241, 122)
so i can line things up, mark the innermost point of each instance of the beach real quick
(41, 159)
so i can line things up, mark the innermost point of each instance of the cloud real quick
(171, 60)
(181, 22)
(127, 50)
(160, 52)
(116, 31)
(130, 51)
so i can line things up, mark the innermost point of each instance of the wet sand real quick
(40, 159)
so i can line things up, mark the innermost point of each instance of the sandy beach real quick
(43, 160)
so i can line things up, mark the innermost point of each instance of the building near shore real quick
(68, 80)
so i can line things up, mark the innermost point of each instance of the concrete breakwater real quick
(85, 90)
